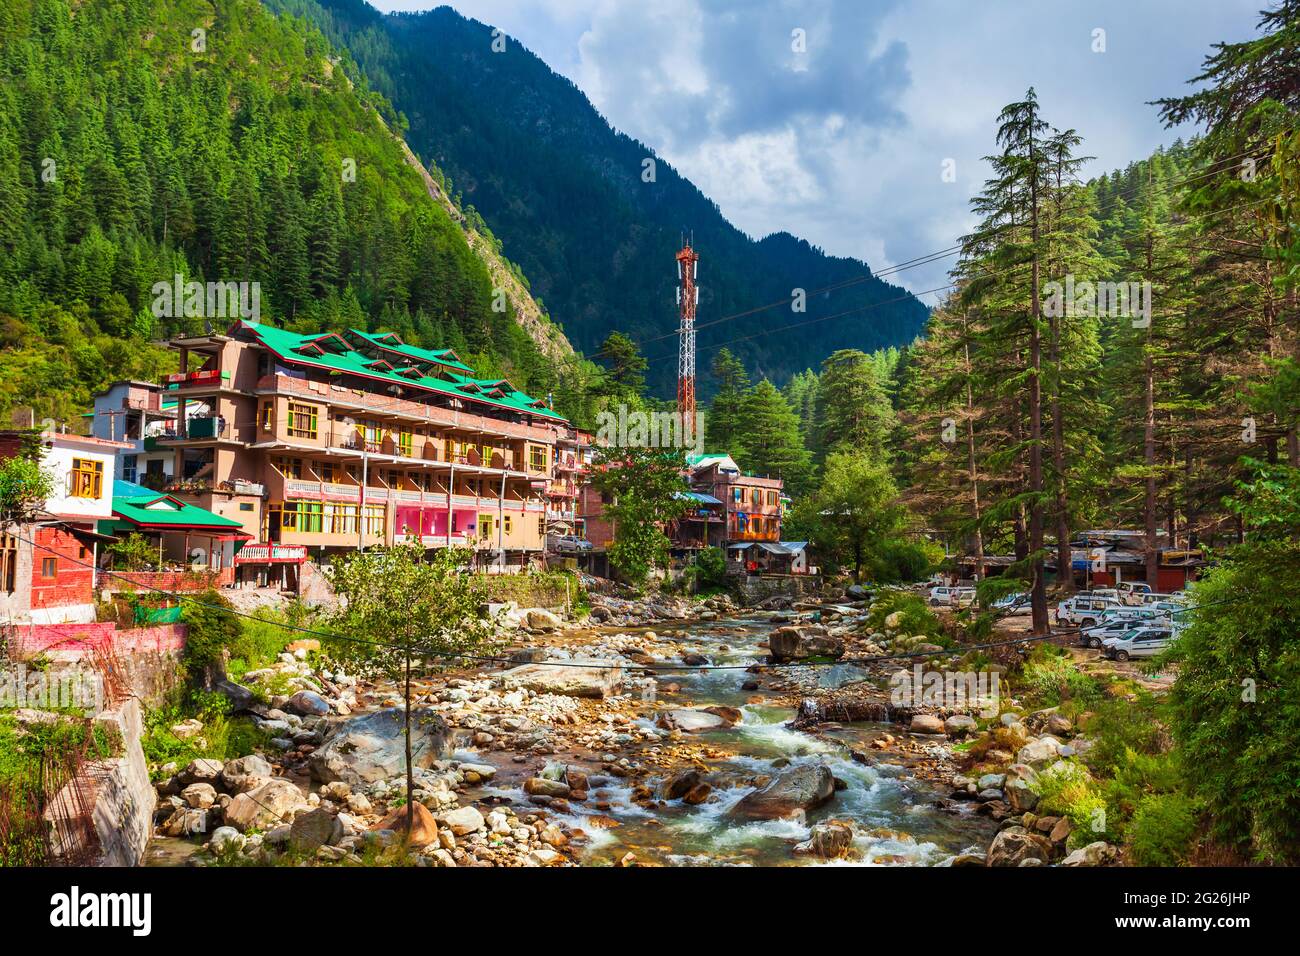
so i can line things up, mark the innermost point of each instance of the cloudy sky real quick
(834, 119)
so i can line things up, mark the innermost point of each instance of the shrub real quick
(710, 569)
(1066, 790)
(213, 628)
(915, 616)
(1051, 679)
(1162, 829)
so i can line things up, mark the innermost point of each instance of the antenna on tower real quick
(688, 297)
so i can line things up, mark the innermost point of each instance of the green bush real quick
(1120, 728)
(1070, 792)
(915, 616)
(1162, 829)
(1050, 679)
(212, 628)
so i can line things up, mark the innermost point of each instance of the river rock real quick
(589, 682)
(794, 789)
(202, 770)
(373, 747)
(1039, 752)
(424, 829)
(691, 721)
(199, 795)
(958, 725)
(926, 724)
(539, 619)
(1059, 726)
(314, 829)
(245, 773)
(681, 784)
(829, 840)
(541, 787)
(797, 643)
(308, 704)
(1020, 796)
(1094, 854)
(464, 820)
(1014, 845)
(274, 802)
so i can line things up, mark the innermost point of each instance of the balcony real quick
(204, 378)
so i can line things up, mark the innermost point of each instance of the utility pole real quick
(688, 297)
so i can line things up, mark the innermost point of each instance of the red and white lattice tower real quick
(688, 297)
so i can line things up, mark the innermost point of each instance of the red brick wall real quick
(74, 577)
(169, 580)
(76, 640)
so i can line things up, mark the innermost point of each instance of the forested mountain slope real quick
(141, 140)
(565, 193)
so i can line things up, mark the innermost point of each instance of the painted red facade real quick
(62, 568)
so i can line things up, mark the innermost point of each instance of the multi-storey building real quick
(334, 441)
(136, 413)
(752, 507)
(573, 457)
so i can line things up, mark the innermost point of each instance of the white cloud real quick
(843, 145)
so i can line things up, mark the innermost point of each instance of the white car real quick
(952, 597)
(1013, 604)
(1117, 622)
(1085, 609)
(1140, 642)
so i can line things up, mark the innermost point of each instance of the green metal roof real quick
(391, 342)
(136, 506)
(285, 344)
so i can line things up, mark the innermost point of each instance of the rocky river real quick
(658, 736)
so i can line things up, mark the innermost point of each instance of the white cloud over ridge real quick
(843, 144)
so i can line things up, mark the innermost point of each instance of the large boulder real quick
(540, 619)
(202, 770)
(274, 802)
(308, 704)
(315, 829)
(464, 820)
(681, 784)
(424, 829)
(927, 724)
(829, 840)
(691, 721)
(373, 747)
(1094, 854)
(1014, 845)
(794, 789)
(596, 682)
(245, 773)
(1040, 752)
(792, 643)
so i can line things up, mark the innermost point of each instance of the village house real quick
(47, 566)
(330, 442)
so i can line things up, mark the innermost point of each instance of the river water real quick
(893, 811)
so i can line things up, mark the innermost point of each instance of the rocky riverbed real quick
(657, 732)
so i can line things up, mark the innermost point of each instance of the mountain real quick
(208, 138)
(524, 149)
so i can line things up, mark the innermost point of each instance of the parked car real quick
(1132, 592)
(1013, 604)
(1085, 609)
(951, 596)
(568, 544)
(1117, 621)
(1140, 642)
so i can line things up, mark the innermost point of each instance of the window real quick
(268, 416)
(737, 495)
(130, 468)
(49, 567)
(541, 525)
(8, 562)
(302, 516)
(537, 458)
(341, 519)
(290, 467)
(302, 420)
(375, 520)
(87, 478)
(328, 472)
(506, 523)
(245, 506)
(405, 444)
